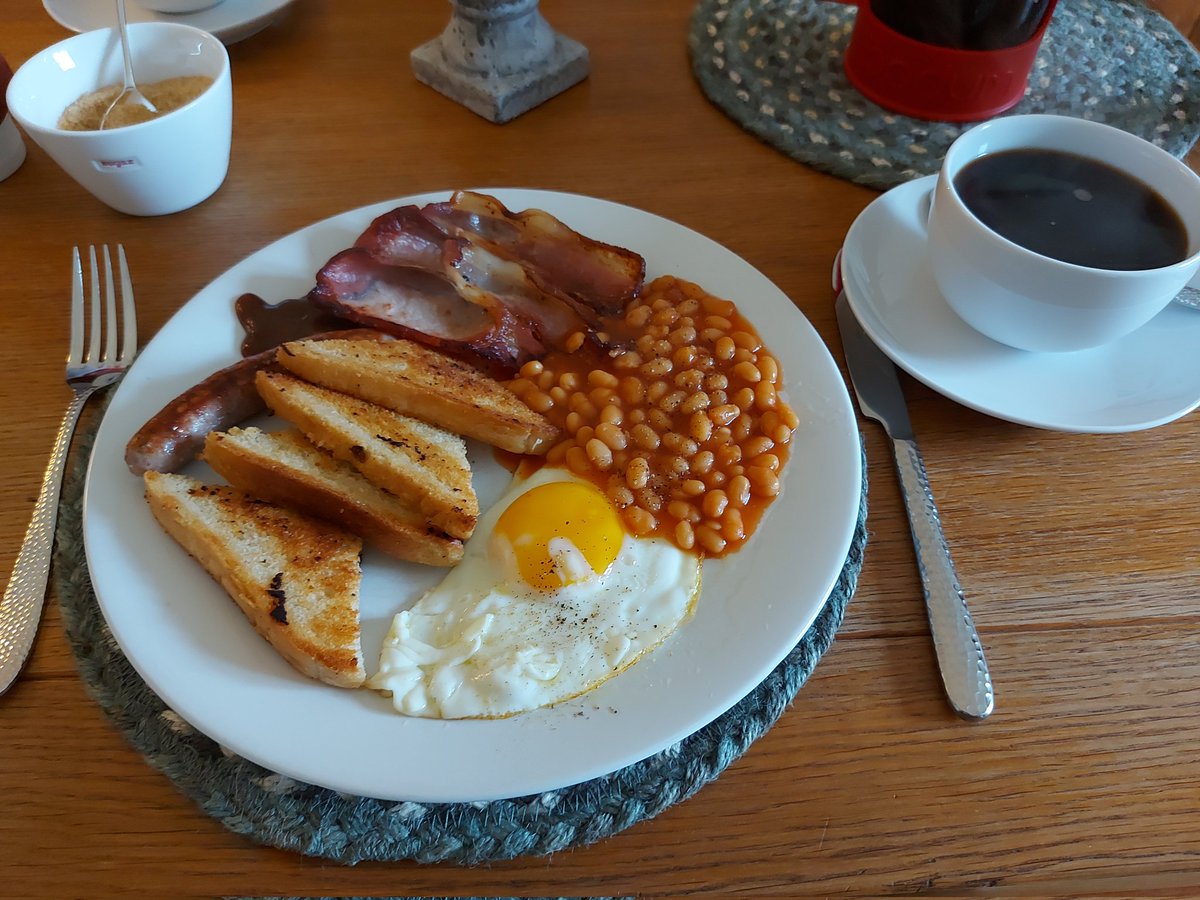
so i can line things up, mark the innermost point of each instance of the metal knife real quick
(960, 657)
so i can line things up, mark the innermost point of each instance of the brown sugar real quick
(167, 96)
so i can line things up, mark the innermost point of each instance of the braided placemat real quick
(281, 812)
(775, 68)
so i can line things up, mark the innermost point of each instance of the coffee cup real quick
(166, 164)
(12, 147)
(1037, 240)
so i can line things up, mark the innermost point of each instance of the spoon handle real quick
(123, 25)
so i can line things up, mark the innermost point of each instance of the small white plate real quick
(230, 21)
(194, 648)
(1145, 379)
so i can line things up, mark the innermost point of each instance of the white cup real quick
(161, 166)
(1034, 302)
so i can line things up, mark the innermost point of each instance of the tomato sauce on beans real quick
(683, 429)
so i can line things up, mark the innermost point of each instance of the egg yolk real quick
(548, 526)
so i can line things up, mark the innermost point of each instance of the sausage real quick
(173, 436)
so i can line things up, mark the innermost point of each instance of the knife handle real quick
(960, 657)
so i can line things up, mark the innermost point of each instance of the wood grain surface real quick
(1079, 553)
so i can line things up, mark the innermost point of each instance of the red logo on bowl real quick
(115, 165)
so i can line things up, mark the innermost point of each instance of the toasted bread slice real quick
(419, 382)
(285, 467)
(418, 462)
(296, 579)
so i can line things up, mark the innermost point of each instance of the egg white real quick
(483, 644)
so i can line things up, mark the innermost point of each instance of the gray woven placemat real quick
(775, 68)
(291, 815)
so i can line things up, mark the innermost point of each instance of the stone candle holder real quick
(499, 58)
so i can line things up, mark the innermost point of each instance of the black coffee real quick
(1072, 208)
(964, 24)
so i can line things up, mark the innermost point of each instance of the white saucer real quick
(230, 21)
(1145, 379)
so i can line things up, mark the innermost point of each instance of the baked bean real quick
(692, 487)
(658, 420)
(715, 382)
(638, 316)
(539, 402)
(747, 341)
(718, 322)
(763, 482)
(700, 427)
(521, 387)
(729, 454)
(668, 316)
(747, 371)
(741, 354)
(600, 454)
(569, 381)
(703, 462)
(756, 446)
(660, 303)
(788, 416)
(584, 434)
(672, 401)
(532, 369)
(715, 478)
(620, 495)
(769, 366)
(600, 378)
(558, 395)
(732, 526)
(685, 537)
(574, 341)
(677, 466)
(627, 361)
(683, 356)
(637, 473)
(768, 421)
(656, 368)
(724, 348)
(718, 397)
(640, 521)
(636, 416)
(645, 436)
(767, 461)
(764, 395)
(689, 307)
(711, 335)
(574, 422)
(577, 461)
(689, 379)
(715, 503)
(611, 414)
(683, 335)
(558, 453)
(717, 306)
(645, 345)
(612, 436)
(694, 403)
(662, 348)
(741, 428)
(743, 398)
(739, 490)
(724, 414)
(683, 511)
(657, 391)
(631, 390)
(684, 446)
(545, 380)
(709, 540)
(581, 404)
(782, 435)
(648, 499)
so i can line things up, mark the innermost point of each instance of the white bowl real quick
(152, 168)
(178, 7)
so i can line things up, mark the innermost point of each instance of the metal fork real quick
(87, 372)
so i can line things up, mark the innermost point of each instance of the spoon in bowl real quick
(130, 93)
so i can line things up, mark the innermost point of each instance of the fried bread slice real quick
(420, 463)
(417, 381)
(296, 578)
(285, 467)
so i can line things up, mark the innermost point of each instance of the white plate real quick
(193, 647)
(230, 21)
(1145, 379)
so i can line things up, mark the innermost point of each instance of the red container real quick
(931, 82)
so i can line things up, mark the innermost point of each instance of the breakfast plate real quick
(230, 21)
(1147, 378)
(193, 647)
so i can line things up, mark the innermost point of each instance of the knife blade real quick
(964, 670)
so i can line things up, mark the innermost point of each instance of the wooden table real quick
(1079, 552)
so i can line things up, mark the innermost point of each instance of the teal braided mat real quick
(775, 68)
(281, 812)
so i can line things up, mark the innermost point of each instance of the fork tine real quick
(75, 353)
(110, 310)
(94, 320)
(128, 310)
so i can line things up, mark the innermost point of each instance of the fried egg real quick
(552, 598)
